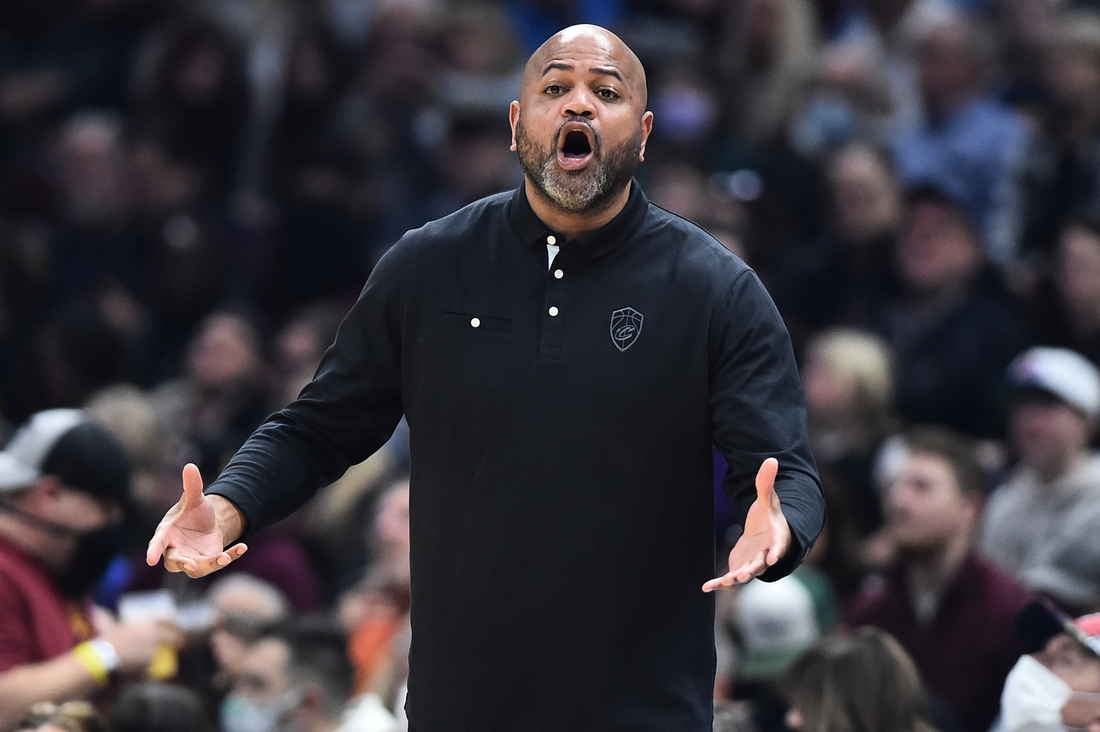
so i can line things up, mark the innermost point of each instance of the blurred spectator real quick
(845, 275)
(766, 65)
(849, 101)
(93, 242)
(74, 716)
(1042, 523)
(848, 379)
(1059, 172)
(243, 605)
(732, 718)
(866, 681)
(953, 326)
(156, 706)
(312, 178)
(948, 607)
(64, 483)
(1066, 310)
(375, 611)
(221, 399)
(298, 675)
(968, 143)
(199, 96)
(1057, 685)
(482, 60)
(299, 346)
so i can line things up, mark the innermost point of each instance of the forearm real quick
(61, 679)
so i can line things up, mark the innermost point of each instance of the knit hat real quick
(775, 622)
(65, 444)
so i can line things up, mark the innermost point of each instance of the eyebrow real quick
(601, 70)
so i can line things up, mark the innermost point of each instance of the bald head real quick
(589, 40)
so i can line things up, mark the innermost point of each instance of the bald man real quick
(566, 355)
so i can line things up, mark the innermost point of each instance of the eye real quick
(607, 93)
(554, 89)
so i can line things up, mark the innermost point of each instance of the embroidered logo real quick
(626, 326)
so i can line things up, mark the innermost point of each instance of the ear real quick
(47, 489)
(513, 120)
(647, 127)
(313, 700)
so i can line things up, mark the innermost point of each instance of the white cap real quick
(1064, 373)
(775, 621)
(21, 461)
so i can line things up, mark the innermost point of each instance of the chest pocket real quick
(477, 324)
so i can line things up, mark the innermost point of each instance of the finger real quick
(192, 486)
(738, 576)
(231, 554)
(156, 548)
(765, 478)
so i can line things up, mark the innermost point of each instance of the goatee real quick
(587, 190)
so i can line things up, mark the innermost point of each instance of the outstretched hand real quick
(190, 537)
(766, 537)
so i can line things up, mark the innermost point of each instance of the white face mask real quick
(1033, 696)
(241, 714)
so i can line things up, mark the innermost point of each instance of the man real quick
(63, 482)
(566, 356)
(296, 676)
(1056, 484)
(953, 325)
(1056, 687)
(951, 610)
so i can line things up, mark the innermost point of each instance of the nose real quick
(580, 103)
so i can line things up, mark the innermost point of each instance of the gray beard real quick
(581, 191)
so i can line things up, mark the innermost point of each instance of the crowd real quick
(192, 194)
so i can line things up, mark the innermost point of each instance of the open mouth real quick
(575, 149)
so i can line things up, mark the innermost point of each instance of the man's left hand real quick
(766, 537)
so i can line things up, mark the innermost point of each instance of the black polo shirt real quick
(561, 422)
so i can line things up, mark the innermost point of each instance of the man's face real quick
(936, 250)
(925, 507)
(1046, 431)
(580, 127)
(263, 675)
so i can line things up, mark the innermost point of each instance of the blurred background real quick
(192, 193)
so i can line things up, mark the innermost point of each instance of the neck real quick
(573, 223)
(933, 570)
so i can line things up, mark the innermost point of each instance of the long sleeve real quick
(758, 411)
(344, 415)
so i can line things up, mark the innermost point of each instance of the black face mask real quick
(94, 550)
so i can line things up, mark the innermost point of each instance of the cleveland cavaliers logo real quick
(626, 326)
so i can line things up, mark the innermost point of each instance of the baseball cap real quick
(66, 444)
(1040, 621)
(775, 621)
(1066, 374)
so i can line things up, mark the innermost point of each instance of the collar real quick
(594, 244)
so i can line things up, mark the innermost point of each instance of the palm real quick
(765, 538)
(189, 537)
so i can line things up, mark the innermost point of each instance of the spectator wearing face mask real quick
(63, 484)
(1041, 525)
(1056, 686)
(297, 677)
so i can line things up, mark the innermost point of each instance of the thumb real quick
(192, 486)
(765, 479)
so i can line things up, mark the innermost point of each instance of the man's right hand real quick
(192, 535)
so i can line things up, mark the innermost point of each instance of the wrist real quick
(229, 518)
(98, 657)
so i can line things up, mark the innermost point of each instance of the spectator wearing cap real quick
(63, 480)
(1043, 524)
(952, 325)
(1056, 686)
(948, 607)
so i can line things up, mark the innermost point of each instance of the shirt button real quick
(553, 311)
(551, 240)
(475, 322)
(558, 274)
